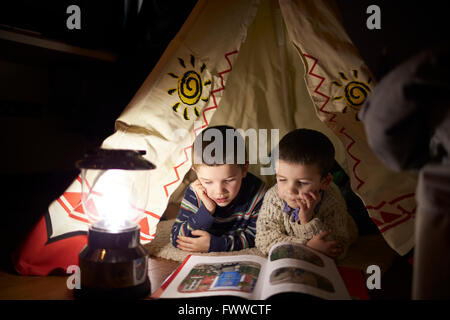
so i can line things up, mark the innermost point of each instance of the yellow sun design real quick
(190, 87)
(355, 91)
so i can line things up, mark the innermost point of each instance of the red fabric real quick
(37, 257)
(354, 281)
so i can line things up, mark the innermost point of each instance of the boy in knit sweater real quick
(219, 209)
(305, 206)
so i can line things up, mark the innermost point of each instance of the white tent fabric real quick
(255, 64)
(339, 82)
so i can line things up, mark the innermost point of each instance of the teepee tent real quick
(253, 65)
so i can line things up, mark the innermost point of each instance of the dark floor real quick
(396, 283)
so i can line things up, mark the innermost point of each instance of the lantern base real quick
(113, 266)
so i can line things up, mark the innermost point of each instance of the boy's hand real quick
(201, 193)
(307, 205)
(200, 244)
(331, 248)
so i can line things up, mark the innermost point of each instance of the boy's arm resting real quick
(193, 215)
(340, 222)
(346, 232)
(242, 236)
(305, 232)
(270, 228)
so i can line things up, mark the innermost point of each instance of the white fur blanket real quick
(162, 247)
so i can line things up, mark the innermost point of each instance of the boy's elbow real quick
(343, 255)
(262, 245)
(346, 244)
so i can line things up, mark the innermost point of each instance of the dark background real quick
(54, 106)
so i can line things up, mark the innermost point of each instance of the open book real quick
(290, 267)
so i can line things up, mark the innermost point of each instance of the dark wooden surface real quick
(17, 287)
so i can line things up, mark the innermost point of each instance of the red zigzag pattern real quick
(333, 116)
(383, 226)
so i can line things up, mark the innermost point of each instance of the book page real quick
(203, 276)
(294, 267)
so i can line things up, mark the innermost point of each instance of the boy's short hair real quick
(219, 145)
(306, 146)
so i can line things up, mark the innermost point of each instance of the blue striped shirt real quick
(232, 227)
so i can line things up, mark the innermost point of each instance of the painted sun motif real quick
(190, 88)
(354, 92)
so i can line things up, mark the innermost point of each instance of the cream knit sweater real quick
(274, 225)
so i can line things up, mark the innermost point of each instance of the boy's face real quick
(222, 183)
(295, 180)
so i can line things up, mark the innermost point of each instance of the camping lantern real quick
(115, 186)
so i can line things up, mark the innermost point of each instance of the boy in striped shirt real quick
(219, 210)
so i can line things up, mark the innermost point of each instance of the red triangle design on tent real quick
(74, 198)
(377, 222)
(91, 207)
(79, 208)
(144, 226)
(388, 217)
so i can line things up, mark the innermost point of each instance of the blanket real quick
(162, 247)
